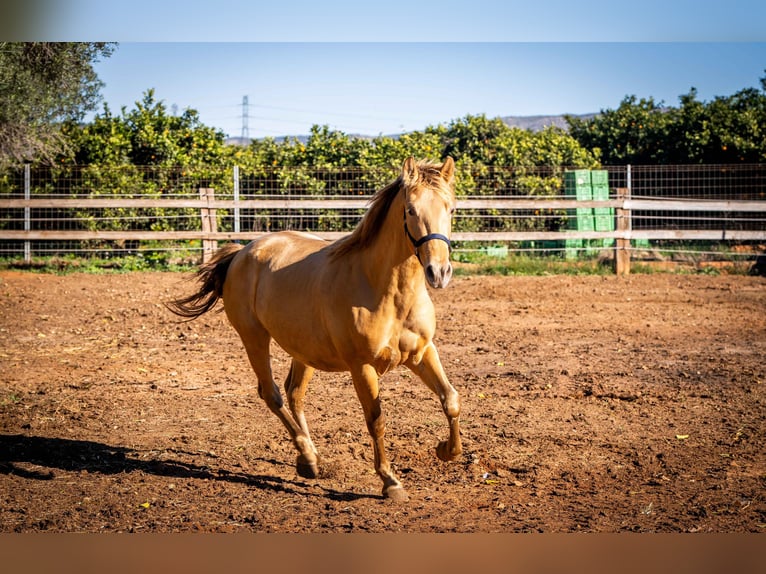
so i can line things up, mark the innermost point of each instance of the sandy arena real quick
(598, 404)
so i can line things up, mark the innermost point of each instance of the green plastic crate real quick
(600, 192)
(604, 243)
(577, 184)
(603, 218)
(581, 219)
(599, 177)
(496, 250)
(572, 248)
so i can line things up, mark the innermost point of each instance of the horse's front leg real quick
(431, 372)
(366, 385)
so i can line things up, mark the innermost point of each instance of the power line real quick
(325, 113)
(245, 116)
(245, 108)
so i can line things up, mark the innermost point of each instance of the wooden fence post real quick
(209, 224)
(622, 246)
(27, 214)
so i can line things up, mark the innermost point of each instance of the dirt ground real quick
(597, 404)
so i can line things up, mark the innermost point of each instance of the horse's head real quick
(429, 202)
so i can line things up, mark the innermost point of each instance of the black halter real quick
(416, 243)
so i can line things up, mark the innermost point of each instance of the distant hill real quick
(244, 142)
(532, 123)
(537, 123)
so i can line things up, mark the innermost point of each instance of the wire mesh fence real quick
(702, 182)
(343, 193)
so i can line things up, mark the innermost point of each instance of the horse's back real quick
(284, 248)
(277, 265)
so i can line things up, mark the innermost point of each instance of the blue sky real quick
(393, 66)
(375, 88)
(404, 20)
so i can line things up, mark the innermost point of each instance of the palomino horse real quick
(359, 304)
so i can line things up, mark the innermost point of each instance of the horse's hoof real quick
(444, 453)
(306, 469)
(396, 493)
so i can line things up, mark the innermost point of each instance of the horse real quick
(359, 304)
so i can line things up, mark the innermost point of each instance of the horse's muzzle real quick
(438, 276)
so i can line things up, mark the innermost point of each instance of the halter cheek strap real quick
(416, 243)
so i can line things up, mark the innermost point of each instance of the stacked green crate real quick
(577, 185)
(603, 217)
(641, 243)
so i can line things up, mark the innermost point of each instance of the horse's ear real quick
(410, 172)
(448, 169)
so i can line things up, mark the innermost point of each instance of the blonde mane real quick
(429, 174)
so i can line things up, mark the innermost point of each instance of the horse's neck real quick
(390, 263)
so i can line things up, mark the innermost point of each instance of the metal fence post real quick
(236, 199)
(27, 215)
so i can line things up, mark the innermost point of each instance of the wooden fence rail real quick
(208, 205)
(333, 203)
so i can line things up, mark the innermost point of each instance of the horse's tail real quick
(212, 276)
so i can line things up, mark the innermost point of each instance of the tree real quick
(491, 142)
(42, 85)
(636, 132)
(728, 129)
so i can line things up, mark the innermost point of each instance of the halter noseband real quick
(416, 243)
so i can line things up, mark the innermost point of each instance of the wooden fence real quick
(208, 205)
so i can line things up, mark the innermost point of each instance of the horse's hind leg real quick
(256, 341)
(296, 385)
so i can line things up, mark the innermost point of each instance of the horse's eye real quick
(452, 211)
(410, 210)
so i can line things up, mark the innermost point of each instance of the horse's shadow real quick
(95, 457)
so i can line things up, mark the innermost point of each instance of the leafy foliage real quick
(159, 154)
(728, 129)
(41, 85)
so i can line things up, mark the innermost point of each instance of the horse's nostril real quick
(430, 275)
